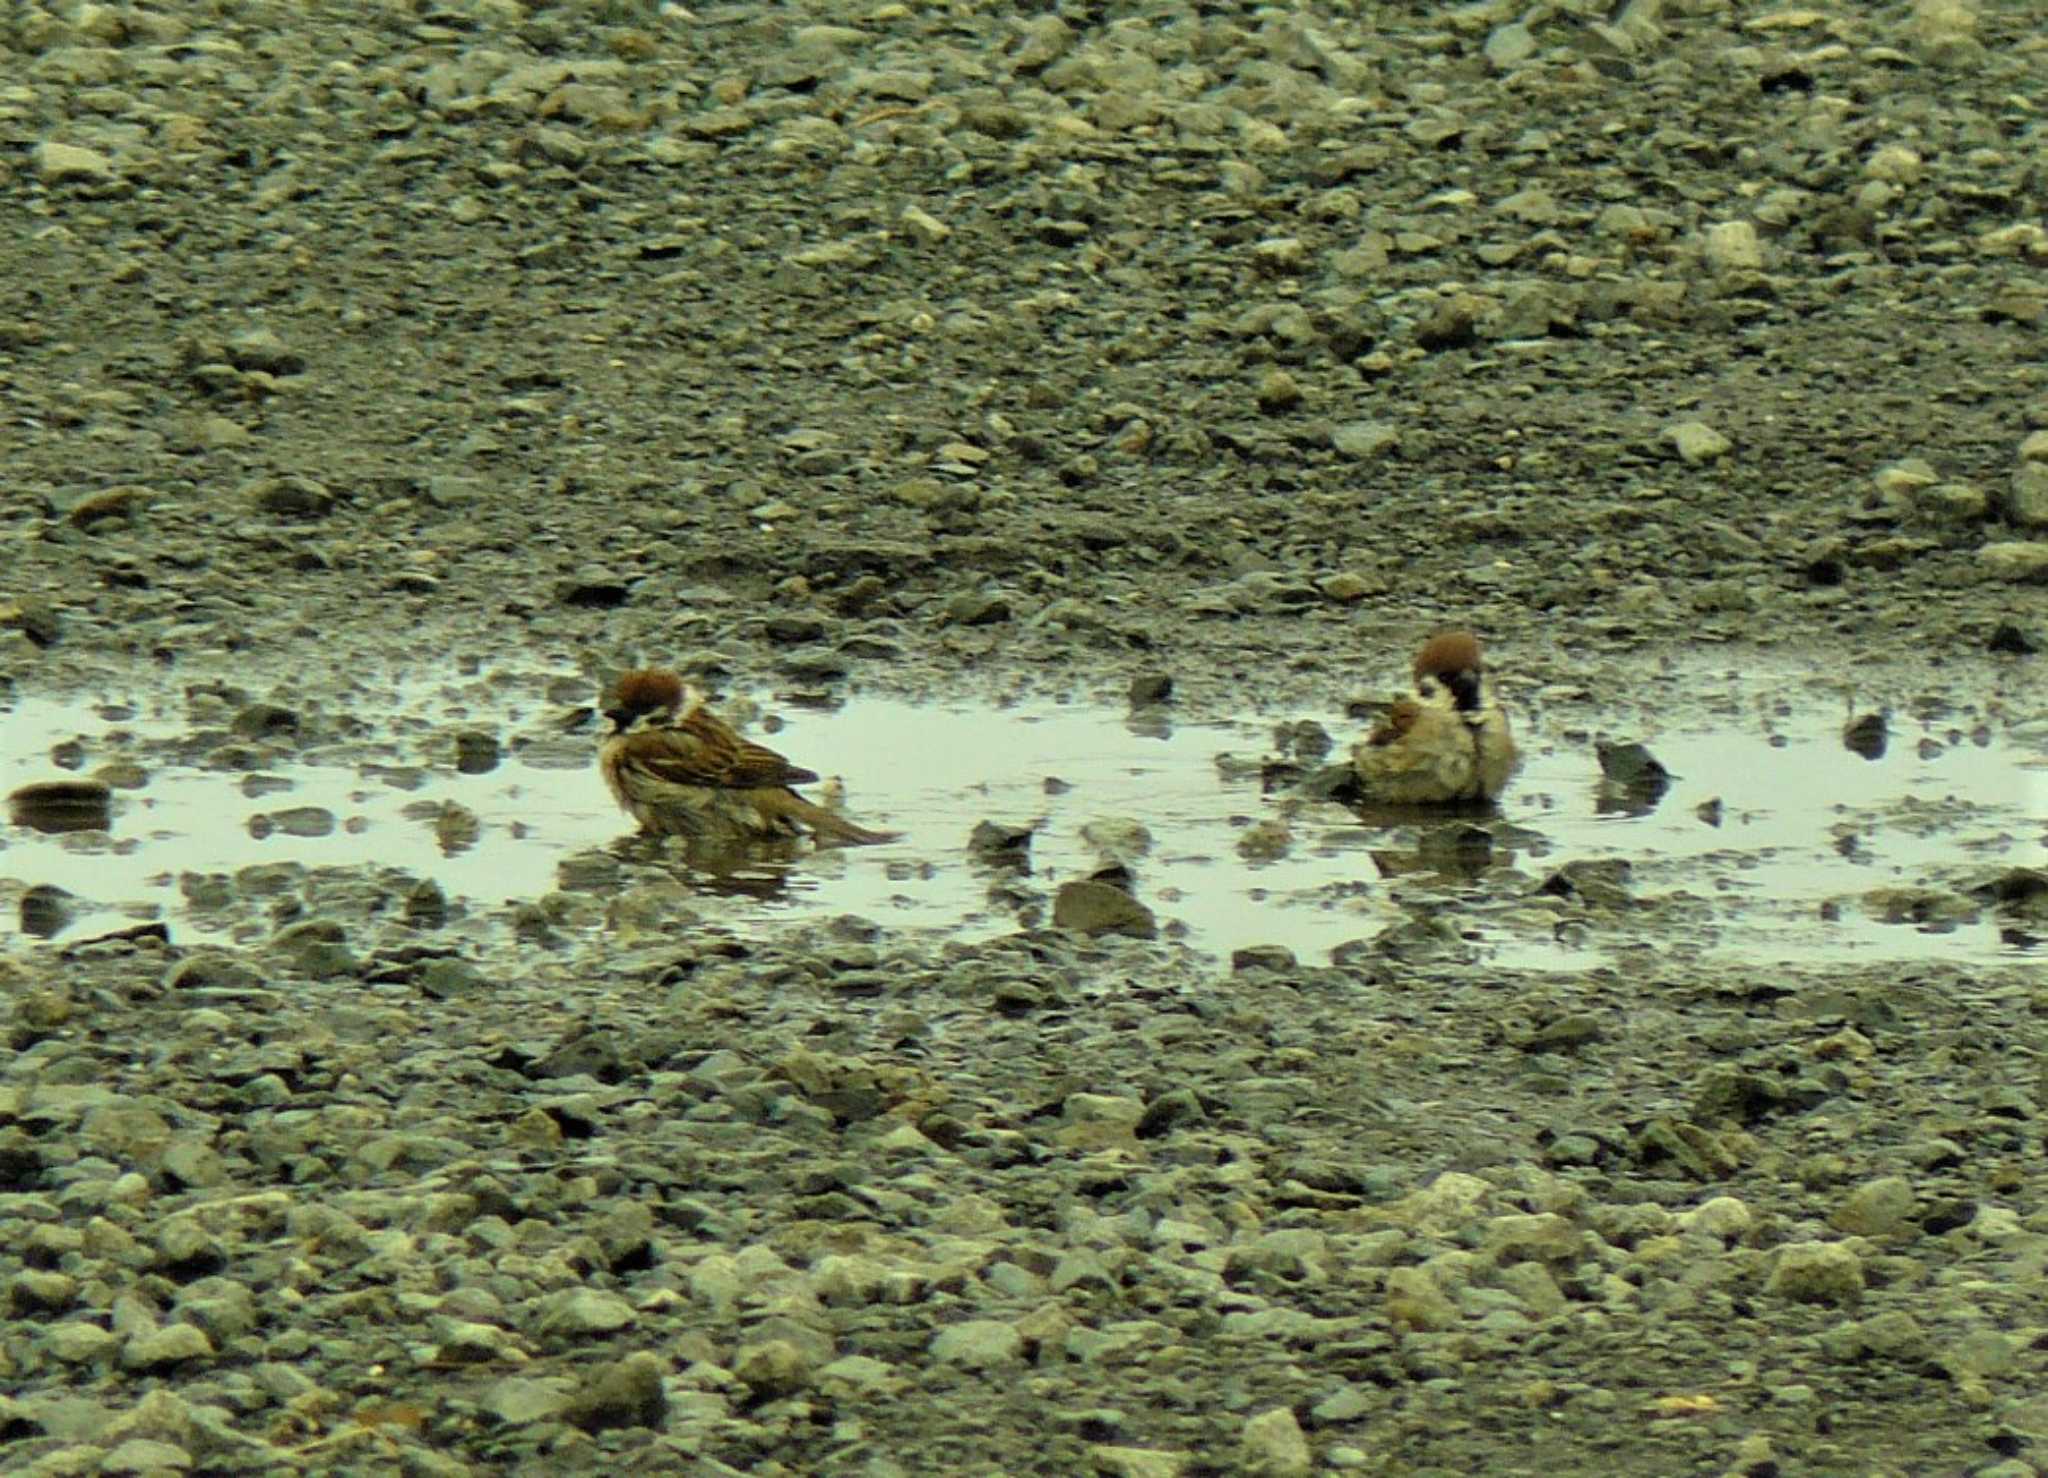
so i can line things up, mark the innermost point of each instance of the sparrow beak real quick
(1464, 688)
(621, 719)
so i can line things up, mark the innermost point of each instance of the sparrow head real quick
(1449, 663)
(643, 691)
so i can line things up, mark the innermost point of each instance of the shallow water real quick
(1805, 825)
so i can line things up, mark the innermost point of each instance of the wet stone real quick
(1817, 1272)
(1878, 1208)
(62, 805)
(477, 752)
(978, 1344)
(1090, 907)
(287, 496)
(629, 1393)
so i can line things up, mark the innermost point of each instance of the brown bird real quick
(680, 770)
(1447, 742)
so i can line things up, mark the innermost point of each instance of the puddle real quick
(1805, 825)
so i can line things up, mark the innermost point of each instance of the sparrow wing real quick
(1401, 716)
(670, 756)
(739, 763)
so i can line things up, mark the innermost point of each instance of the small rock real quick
(1365, 441)
(854, 1376)
(1267, 840)
(1149, 688)
(456, 828)
(977, 608)
(773, 1368)
(37, 620)
(60, 164)
(108, 505)
(1724, 1218)
(143, 1455)
(54, 806)
(1817, 1272)
(1280, 256)
(1453, 323)
(794, 630)
(303, 821)
(925, 226)
(265, 721)
(1090, 907)
(76, 1342)
(2011, 641)
(1867, 736)
(1262, 957)
(1633, 767)
(261, 349)
(1696, 442)
(1508, 46)
(447, 979)
(2026, 499)
(1278, 392)
(477, 752)
(289, 496)
(1414, 1301)
(2018, 561)
(1953, 504)
(518, 1401)
(995, 843)
(1119, 839)
(1274, 1446)
(173, 1344)
(1893, 1335)
(594, 588)
(1877, 1208)
(1732, 246)
(1040, 41)
(1895, 164)
(1138, 1462)
(978, 1344)
(1980, 1353)
(1345, 587)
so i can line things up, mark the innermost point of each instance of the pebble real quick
(2019, 561)
(60, 163)
(1274, 1446)
(978, 1344)
(1089, 907)
(1696, 442)
(1817, 1272)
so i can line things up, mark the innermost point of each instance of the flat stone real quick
(1696, 442)
(2020, 561)
(1089, 907)
(978, 1344)
(69, 163)
(1817, 1272)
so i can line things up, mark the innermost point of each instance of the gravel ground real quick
(958, 349)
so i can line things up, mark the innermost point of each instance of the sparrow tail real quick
(826, 824)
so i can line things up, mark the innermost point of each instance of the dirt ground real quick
(958, 348)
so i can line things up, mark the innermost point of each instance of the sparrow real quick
(680, 770)
(1446, 742)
